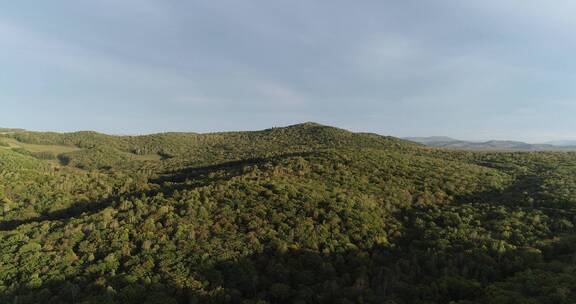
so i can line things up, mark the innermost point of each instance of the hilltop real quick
(87, 148)
(299, 214)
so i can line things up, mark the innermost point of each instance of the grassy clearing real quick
(151, 157)
(56, 149)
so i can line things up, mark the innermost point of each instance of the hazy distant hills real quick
(561, 143)
(492, 145)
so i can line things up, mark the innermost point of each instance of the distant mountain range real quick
(562, 143)
(493, 145)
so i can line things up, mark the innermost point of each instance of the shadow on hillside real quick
(374, 275)
(294, 276)
(233, 168)
(166, 184)
(521, 192)
(76, 209)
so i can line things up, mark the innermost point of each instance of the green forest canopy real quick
(302, 214)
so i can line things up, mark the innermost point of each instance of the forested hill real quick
(95, 150)
(299, 214)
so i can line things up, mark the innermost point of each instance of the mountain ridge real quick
(67, 138)
(489, 145)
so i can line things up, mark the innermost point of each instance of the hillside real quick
(300, 214)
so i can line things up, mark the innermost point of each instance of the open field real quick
(56, 149)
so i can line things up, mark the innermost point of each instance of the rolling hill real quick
(299, 214)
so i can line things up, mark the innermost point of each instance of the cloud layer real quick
(468, 69)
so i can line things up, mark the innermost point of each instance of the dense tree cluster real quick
(304, 214)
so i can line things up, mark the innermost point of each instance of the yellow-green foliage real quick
(303, 214)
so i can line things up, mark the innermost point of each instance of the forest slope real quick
(302, 214)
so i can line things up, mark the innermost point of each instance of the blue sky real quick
(492, 69)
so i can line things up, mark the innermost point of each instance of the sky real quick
(491, 69)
